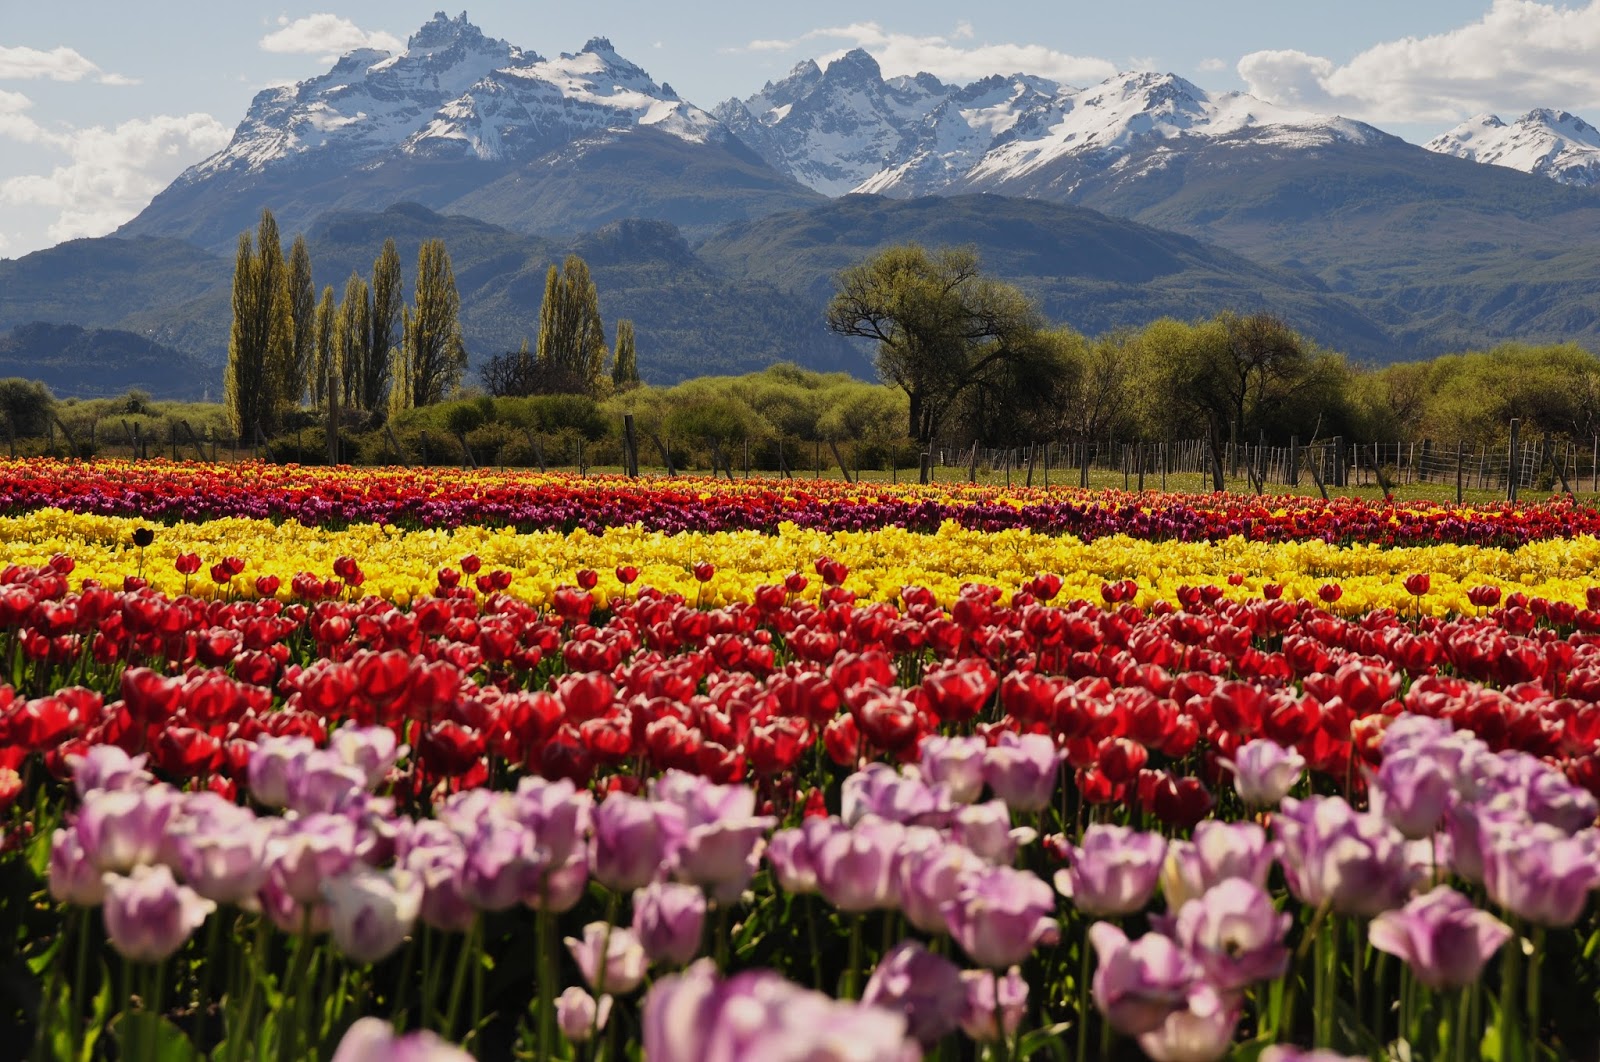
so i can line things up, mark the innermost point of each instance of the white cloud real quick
(58, 64)
(112, 173)
(944, 56)
(325, 35)
(1521, 54)
(1213, 65)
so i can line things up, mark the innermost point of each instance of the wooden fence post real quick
(1461, 452)
(972, 463)
(630, 448)
(1511, 470)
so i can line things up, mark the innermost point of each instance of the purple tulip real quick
(579, 1016)
(1264, 772)
(1138, 984)
(303, 853)
(560, 888)
(1413, 790)
(123, 829)
(979, 1012)
(106, 768)
(371, 912)
(224, 858)
(274, 763)
(955, 763)
(723, 856)
(1115, 871)
(1331, 854)
(1289, 1053)
(74, 878)
(792, 854)
(322, 782)
(610, 957)
(695, 1016)
(879, 791)
(1218, 851)
(668, 920)
(373, 750)
(504, 863)
(148, 915)
(855, 868)
(1409, 733)
(557, 813)
(1540, 874)
(1235, 935)
(1471, 828)
(986, 829)
(1196, 1033)
(374, 1040)
(1022, 769)
(633, 839)
(1441, 936)
(925, 987)
(1000, 914)
(437, 856)
(929, 875)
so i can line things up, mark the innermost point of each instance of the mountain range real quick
(719, 231)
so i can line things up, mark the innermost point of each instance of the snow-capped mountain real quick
(832, 129)
(453, 92)
(1547, 142)
(462, 122)
(846, 128)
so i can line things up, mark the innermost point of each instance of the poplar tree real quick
(322, 370)
(383, 334)
(351, 332)
(572, 338)
(432, 355)
(261, 340)
(624, 365)
(273, 278)
(303, 311)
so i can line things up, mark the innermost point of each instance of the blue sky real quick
(102, 103)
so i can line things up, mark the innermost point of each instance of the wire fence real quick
(1543, 464)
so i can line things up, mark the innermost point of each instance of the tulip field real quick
(435, 764)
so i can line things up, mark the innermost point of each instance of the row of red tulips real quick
(482, 684)
(452, 498)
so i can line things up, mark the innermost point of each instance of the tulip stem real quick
(1083, 998)
(547, 982)
(203, 996)
(810, 903)
(79, 977)
(1461, 1023)
(459, 985)
(1535, 967)
(1510, 1030)
(852, 972)
(295, 983)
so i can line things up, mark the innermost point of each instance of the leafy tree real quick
(625, 363)
(303, 312)
(324, 379)
(261, 342)
(352, 330)
(938, 322)
(26, 407)
(572, 340)
(383, 327)
(431, 356)
(1026, 397)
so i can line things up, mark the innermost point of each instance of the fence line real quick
(1544, 463)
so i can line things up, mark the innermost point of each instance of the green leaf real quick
(39, 851)
(137, 1031)
(1050, 1037)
